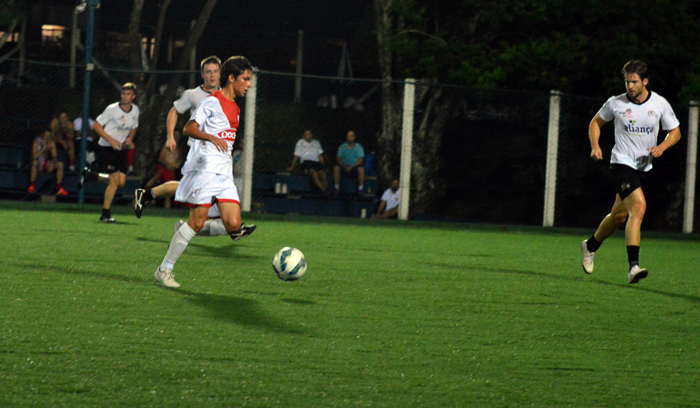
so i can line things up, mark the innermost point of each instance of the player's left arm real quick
(671, 139)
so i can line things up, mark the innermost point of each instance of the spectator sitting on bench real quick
(62, 130)
(351, 157)
(45, 160)
(389, 205)
(309, 152)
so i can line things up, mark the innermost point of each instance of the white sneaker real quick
(636, 274)
(166, 277)
(177, 225)
(587, 257)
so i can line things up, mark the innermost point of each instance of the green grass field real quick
(388, 314)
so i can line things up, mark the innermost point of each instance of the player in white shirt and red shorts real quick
(637, 114)
(208, 172)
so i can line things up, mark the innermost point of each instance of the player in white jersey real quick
(638, 114)
(116, 127)
(210, 68)
(208, 172)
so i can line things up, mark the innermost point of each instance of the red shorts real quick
(166, 174)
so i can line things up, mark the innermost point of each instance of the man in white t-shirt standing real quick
(389, 204)
(210, 68)
(208, 172)
(309, 152)
(637, 115)
(116, 127)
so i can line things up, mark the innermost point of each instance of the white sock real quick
(213, 228)
(337, 186)
(177, 246)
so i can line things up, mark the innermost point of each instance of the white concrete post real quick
(550, 185)
(249, 146)
(691, 168)
(406, 147)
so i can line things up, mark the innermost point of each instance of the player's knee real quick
(620, 217)
(196, 224)
(232, 224)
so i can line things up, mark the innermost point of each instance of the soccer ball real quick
(289, 264)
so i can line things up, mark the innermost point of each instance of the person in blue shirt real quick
(351, 157)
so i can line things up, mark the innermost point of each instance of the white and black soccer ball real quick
(289, 264)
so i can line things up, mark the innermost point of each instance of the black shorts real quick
(112, 161)
(351, 174)
(311, 165)
(626, 179)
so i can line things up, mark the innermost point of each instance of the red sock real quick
(32, 184)
(58, 186)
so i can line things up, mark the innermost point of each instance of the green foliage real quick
(540, 45)
(388, 314)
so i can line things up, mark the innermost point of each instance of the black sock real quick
(592, 244)
(633, 255)
(106, 213)
(149, 196)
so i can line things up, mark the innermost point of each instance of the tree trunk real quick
(388, 158)
(135, 34)
(152, 130)
(427, 186)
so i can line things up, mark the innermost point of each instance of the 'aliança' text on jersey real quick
(215, 115)
(118, 123)
(637, 127)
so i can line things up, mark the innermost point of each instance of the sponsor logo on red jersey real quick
(228, 134)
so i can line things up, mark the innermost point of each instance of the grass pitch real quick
(388, 315)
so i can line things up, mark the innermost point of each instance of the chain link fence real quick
(477, 156)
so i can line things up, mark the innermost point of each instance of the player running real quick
(208, 172)
(637, 115)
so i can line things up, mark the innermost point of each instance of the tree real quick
(154, 108)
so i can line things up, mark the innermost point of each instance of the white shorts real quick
(206, 189)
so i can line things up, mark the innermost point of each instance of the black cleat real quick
(243, 232)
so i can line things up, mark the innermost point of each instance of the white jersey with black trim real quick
(118, 123)
(190, 99)
(215, 115)
(637, 127)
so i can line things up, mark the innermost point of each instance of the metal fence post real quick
(550, 186)
(406, 147)
(249, 146)
(89, 66)
(691, 167)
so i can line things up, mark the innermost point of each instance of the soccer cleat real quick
(636, 274)
(32, 189)
(138, 201)
(62, 192)
(243, 232)
(107, 220)
(166, 278)
(177, 225)
(587, 257)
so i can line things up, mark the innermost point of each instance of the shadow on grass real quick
(207, 250)
(237, 310)
(77, 272)
(575, 278)
(227, 308)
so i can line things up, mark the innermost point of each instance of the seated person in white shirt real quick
(309, 152)
(389, 205)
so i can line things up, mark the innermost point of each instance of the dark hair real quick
(129, 85)
(636, 67)
(234, 66)
(210, 60)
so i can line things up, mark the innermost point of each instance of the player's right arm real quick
(170, 127)
(192, 130)
(594, 137)
(100, 130)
